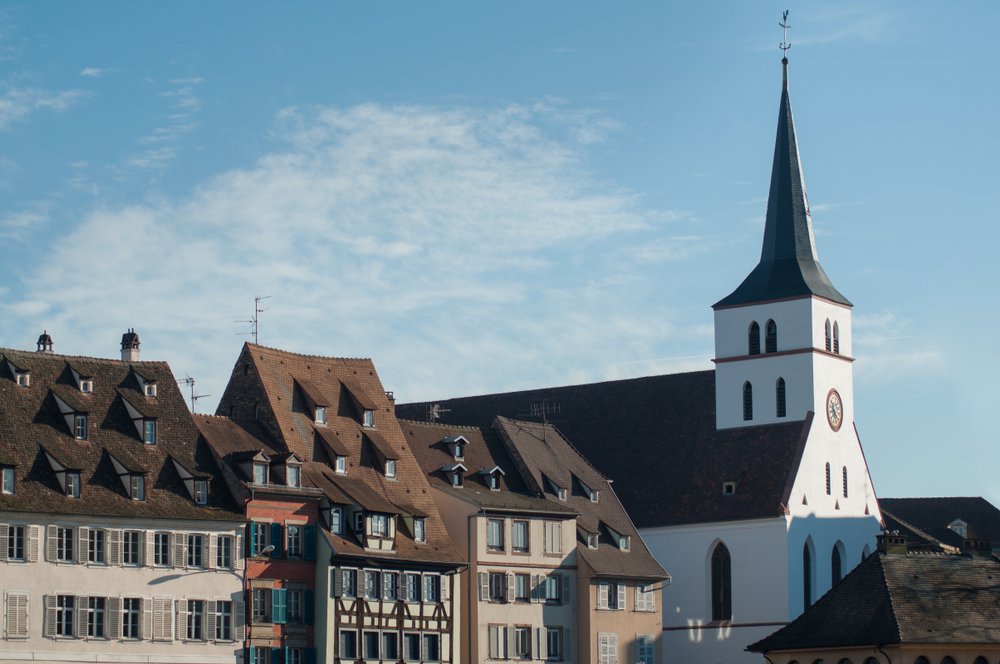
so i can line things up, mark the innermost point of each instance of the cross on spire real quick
(784, 45)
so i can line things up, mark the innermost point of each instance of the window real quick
(95, 547)
(607, 648)
(223, 621)
(341, 464)
(836, 338)
(380, 525)
(149, 432)
(806, 577)
(645, 650)
(131, 610)
(553, 537)
(150, 389)
(260, 537)
(260, 655)
(349, 582)
(196, 620)
(554, 643)
(836, 568)
(64, 545)
(747, 401)
(8, 480)
(522, 587)
(73, 485)
(432, 588)
(390, 647)
(137, 487)
(359, 522)
(779, 398)
(293, 541)
(373, 585)
(23, 379)
(295, 613)
(593, 540)
(722, 584)
(753, 339)
(411, 647)
(86, 386)
(771, 337)
(15, 542)
(320, 414)
(95, 617)
(552, 589)
(431, 648)
(337, 520)
(224, 552)
(201, 492)
(828, 479)
(294, 656)
(348, 644)
(493, 481)
(457, 480)
(728, 488)
(261, 599)
(369, 418)
(494, 535)
(519, 536)
(371, 643)
(65, 606)
(80, 427)
(419, 529)
(194, 550)
(260, 473)
(131, 547)
(389, 588)
(645, 598)
(828, 345)
(497, 642)
(497, 586)
(161, 549)
(522, 642)
(844, 473)
(390, 468)
(293, 476)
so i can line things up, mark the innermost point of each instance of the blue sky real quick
(493, 196)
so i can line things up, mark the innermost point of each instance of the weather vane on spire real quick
(784, 45)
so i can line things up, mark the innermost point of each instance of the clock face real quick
(834, 410)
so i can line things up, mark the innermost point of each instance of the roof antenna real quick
(256, 317)
(784, 45)
(189, 381)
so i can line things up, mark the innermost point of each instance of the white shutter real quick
(113, 617)
(540, 645)
(566, 588)
(509, 597)
(82, 542)
(163, 619)
(210, 620)
(621, 596)
(81, 616)
(50, 614)
(17, 615)
(114, 551)
(494, 641)
(147, 619)
(238, 553)
(150, 548)
(3, 541)
(212, 549)
(179, 541)
(51, 542)
(182, 614)
(239, 621)
(602, 594)
(511, 647)
(484, 587)
(446, 582)
(32, 544)
(362, 583)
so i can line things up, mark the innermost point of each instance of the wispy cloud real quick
(433, 239)
(162, 144)
(888, 349)
(19, 225)
(93, 72)
(17, 104)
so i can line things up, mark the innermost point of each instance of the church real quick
(747, 482)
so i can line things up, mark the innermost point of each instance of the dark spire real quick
(789, 266)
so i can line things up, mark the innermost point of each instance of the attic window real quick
(368, 419)
(320, 415)
(8, 480)
(138, 487)
(80, 426)
(554, 488)
(625, 542)
(390, 468)
(728, 488)
(419, 529)
(457, 478)
(201, 492)
(293, 476)
(73, 485)
(149, 432)
(260, 473)
(960, 527)
(86, 385)
(591, 494)
(150, 389)
(458, 450)
(592, 540)
(340, 465)
(24, 379)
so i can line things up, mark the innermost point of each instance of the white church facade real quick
(747, 482)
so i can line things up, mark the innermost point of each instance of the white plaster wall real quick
(793, 318)
(43, 578)
(763, 372)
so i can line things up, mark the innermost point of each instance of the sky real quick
(491, 196)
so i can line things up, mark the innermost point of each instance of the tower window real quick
(722, 584)
(747, 401)
(845, 481)
(754, 339)
(836, 568)
(806, 577)
(771, 337)
(836, 338)
(827, 345)
(828, 479)
(779, 397)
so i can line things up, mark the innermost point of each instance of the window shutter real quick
(210, 620)
(113, 618)
(511, 646)
(163, 619)
(276, 540)
(602, 594)
(309, 542)
(400, 586)
(147, 619)
(212, 548)
(484, 587)
(566, 589)
(80, 616)
(446, 587)
(309, 606)
(253, 526)
(50, 614)
(238, 552)
(277, 655)
(82, 541)
(494, 640)
(239, 621)
(621, 597)
(114, 552)
(540, 637)
(150, 548)
(338, 582)
(32, 544)
(509, 597)
(51, 539)
(180, 560)
(21, 609)
(253, 655)
(206, 559)
(536, 588)
(279, 605)
(182, 613)
(3, 541)
(567, 644)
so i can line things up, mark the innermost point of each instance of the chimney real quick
(892, 542)
(44, 342)
(130, 346)
(976, 546)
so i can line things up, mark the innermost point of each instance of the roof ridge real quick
(283, 351)
(91, 358)
(439, 425)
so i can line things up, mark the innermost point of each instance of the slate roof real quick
(31, 423)
(789, 265)
(272, 379)
(901, 599)
(932, 516)
(656, 438)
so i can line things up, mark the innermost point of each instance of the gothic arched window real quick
(828, 479)
(747, 401)
(779, 397)
(836, 338)
(771, 337)
(753, 339)
(722, 584)
(845, 481)
(807, 591)
(829, 343)
(836, 566)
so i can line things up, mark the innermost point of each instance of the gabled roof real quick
(656, 438)
(789, 265)
(901, 599)
(934, 515)
(32, 424)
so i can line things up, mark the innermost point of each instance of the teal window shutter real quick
(308, 598)
(279, 605)
(252, 542)
(277, 656)
(276, 540)
(253, 655)
(310, 542)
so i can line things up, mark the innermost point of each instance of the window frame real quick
(224, 547)
(81, 426)
(137, 487)
(149, 431)
(131, 615)
(132, 548)
(97, 547)
(524, 526)
(96, 617)
(16, 543)
(340, 465)
(419, 529)
(194, 548)
(495, 535)
(73, 482)
(200, 492)
(162, 554)
(8, 481)
(224, 622)
(66, 544)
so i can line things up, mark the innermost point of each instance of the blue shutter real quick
(252, 544)
(277, 656)
(308, 598)
(310, 542)
(310, 655)
(279, 605)
(253, 655)
(276, 540)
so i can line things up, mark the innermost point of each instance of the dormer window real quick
(138, 487)
(554, 488)
(390, 468)
(150, 389)
(592, 494)
(8, 480)
(340, 464)
(456, 445)
(149, 432)
(493, 481)
(80, 426)
(259, 473)
(960, 527)
(73, 484)
(23, 379)
(293, 476)
(456, 478)
(593, 539)
(380, 525)
(86, 385)
(320, 415)
(458, 450)
(419, 529)
(201, 492)
(624, 542)
(336, 520)
(728, 488)
(368, 418)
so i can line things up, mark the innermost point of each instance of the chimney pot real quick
(44, 342)
(892, 542)
(130, 346)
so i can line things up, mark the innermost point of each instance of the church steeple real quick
(789, 265)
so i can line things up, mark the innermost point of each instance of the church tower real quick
(783, 337)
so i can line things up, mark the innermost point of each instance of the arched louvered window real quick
(845, 481)
(829, 343)
(747, 401)
(836, 338)
(948, 660)
(722, 584)
(836, 566)
(980, 660)
(771, 337)
(828, 479)
(921, 660)
(807, 591)
(753, 339)
(779, 397)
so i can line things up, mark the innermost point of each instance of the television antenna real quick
(255, 320)
(189, 381)
(434, 411)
